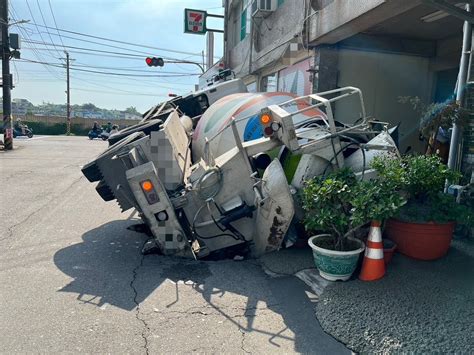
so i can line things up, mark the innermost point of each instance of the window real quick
(243, 24)
(270, 82)
(280, 2)
(252, 87)
(245, 19)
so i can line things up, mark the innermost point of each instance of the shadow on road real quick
(108, 268)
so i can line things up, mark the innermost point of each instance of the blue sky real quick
(155, 23)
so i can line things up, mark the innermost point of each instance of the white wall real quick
(383, 78)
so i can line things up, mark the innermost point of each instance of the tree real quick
(89, 107)
(132, 110)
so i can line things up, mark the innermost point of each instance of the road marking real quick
(31, 139)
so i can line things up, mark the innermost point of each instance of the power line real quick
(44, 21)
(122, 42)
(37, 54)
(119, 93)
(144, 82)
(112, 46)
(130, 70)
(55, 23)
(108, 87)
(111, 73)
(115, 80)
(88, 49)
(110, 52)
(113, 68)
(96, 54)
(34, 21)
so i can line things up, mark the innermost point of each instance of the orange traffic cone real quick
(373, 266)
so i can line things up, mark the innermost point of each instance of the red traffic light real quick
(154, 62)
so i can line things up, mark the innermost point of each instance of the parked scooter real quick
(98, 134)
(27, 132)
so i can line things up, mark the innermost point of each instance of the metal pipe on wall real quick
(461, 87)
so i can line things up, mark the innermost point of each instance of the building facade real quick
(388, 48)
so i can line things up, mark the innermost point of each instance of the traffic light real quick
(154, 62)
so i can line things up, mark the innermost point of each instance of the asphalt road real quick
(73, 279)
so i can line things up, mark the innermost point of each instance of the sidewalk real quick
(420, 307)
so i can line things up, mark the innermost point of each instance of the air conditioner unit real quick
(263, 8)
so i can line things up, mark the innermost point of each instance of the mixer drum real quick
(245, 108)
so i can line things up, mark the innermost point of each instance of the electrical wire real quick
(117, 93)
(124, 56)
(116, 47)
(109, 73)
(44, 21)
(353, 142)
(119, 90)
(122, 42)
(46, 44)
(194, 230)
(131, 70)
(34, 21)
(132, 82)
(168, 60)
(144, 82)
(55, 23)
(36, 53)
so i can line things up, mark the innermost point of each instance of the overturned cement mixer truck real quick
(208, 174)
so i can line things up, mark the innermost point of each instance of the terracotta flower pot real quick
(423, 241)
(389, 248)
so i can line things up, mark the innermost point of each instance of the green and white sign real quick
(195, 21)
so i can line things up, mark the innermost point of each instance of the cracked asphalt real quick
(73, 278)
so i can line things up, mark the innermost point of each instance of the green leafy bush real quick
(421, 179)
(341, 204)
(56, 128)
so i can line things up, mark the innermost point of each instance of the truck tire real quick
(145, 127)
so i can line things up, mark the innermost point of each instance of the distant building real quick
(93, 115)
(132, 116)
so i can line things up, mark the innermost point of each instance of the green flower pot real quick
(335, 265)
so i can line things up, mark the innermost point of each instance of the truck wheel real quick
(145, 127)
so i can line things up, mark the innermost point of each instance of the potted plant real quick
(424, 227)
(436, 119)
(339, 205)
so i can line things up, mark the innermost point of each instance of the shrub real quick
(421, 179)
(341, 204)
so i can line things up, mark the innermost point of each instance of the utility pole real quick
(210, 49)
(68, 91)
(6, 78)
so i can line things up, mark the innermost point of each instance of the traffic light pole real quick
(6, 78)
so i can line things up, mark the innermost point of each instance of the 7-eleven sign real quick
(195, 21)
